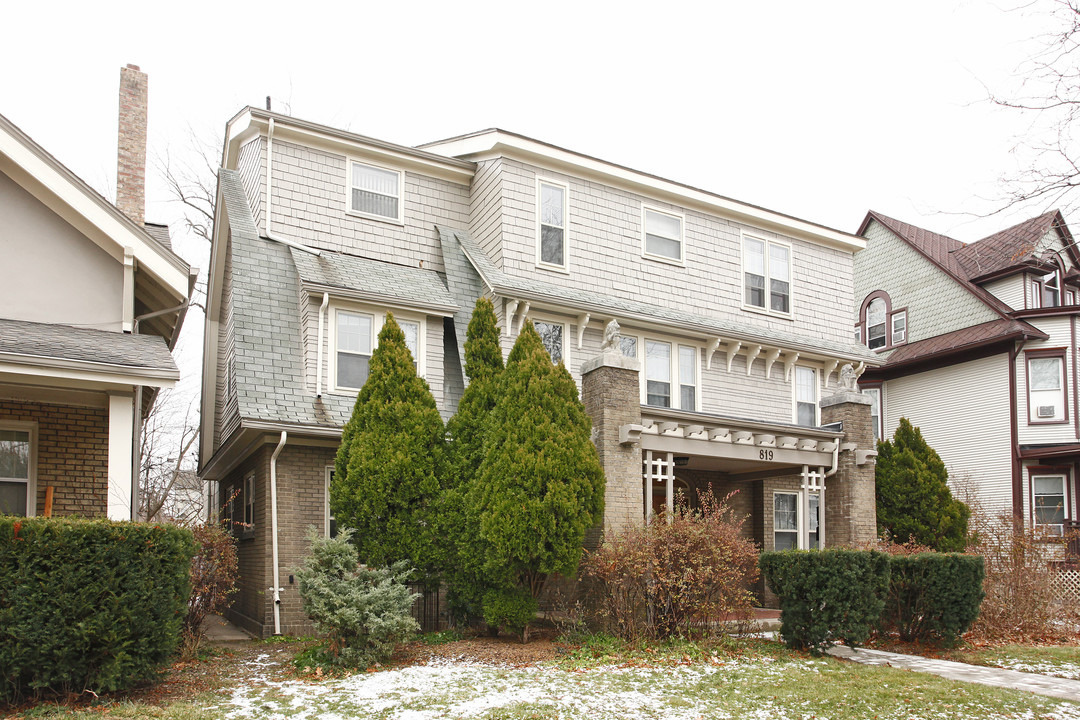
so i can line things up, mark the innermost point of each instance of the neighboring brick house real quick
(91, 302)
(979, 342)
(734, 328)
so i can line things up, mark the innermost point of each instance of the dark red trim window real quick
(1047, 393)
(880, 326)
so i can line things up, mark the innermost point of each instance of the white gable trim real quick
(69, 197)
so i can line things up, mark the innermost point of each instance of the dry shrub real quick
(213, 581)
(677, 578)
(1022, 601)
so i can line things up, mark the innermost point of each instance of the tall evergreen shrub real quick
(541, 485)
(88, 604)
(462, 561)
(933, 597)
(387, 470)
(913, 498)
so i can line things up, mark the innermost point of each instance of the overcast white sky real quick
(821, 110)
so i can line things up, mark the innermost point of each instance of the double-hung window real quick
(657, 373)
(663, 235)
(767, 275)
(551, 240)
(806, 396)
(880, 326)
(785, 521)
(552, 334)
(16, 469)
(875, 324)
(375, 191)
(1051, 290)
(1048, 494)
(874, 394)
(1046, 388)
(899, 327)
(671, 375)
(355, 339)
(628, 345)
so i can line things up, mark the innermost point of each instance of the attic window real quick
(1051, 290)
(881, 326)
(375, 192)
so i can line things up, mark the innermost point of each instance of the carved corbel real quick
(789, 364)
(510, 313)
(751, 356)
(733, 348)
(710, 350)
(582, 323)
(829, 368)
(523, 315)
(770, 358)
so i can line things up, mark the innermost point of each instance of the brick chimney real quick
(131, 145)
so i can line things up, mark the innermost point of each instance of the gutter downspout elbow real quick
(319, 353)
(274, 531)
(835, 459)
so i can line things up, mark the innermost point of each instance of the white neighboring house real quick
(979, 343)
(91, 304)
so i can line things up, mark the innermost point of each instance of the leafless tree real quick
(169, 487)
(1048, 94)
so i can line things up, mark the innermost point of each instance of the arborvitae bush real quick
(913, 498)
(365, 612)
(462, 560)
(88, 604)
(509, 609)
(387, 471)
(933, 597)
(541, 485)
(673, 579)
(213, 581)
(827, 595)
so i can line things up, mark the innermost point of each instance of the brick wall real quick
(850, 501)
(131, 144)
(72, 455)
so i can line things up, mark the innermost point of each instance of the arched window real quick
(880, 326)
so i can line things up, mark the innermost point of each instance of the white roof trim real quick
(64, 193)
(494, 143)
(37, 366)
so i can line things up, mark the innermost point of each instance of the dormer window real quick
(880, 326)
(375, 192)
(1051, 290)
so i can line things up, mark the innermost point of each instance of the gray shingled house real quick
(91, 302)
(735, 326)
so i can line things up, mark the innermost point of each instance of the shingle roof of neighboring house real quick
(374, 279)
(159, 233)
(1008, 248)
(508, 285)
(963, 340)
(37, 342)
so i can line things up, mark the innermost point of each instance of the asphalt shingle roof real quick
(505, 284)
(63, 342)
(380, 280)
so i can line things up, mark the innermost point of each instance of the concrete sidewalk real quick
(220, 631)
(996, 677)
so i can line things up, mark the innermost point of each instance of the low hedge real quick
(827, 595)
(88, 604)
(933, 597)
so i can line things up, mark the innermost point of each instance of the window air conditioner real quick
(1045, 411)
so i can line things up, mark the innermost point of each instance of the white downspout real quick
(269, 196)
(274, 531)
(835, 458)
(319, 354)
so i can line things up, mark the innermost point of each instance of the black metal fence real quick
(427, 608)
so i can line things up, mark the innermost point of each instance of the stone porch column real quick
(850, 502)
(610, 392)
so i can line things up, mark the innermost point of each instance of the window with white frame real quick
(657, 373)
(552, 334)
(1048, 502)
(1070, 297)
(687, 378)
(249, 502)
(329, 521)
(814, 520)
(628, 345)
(354, 347)
(875, 324)
(354, 339)
(767, 275)
(1046, 388)
(663, 234)
(375, 191)
(1051, 289)
(806, 396)
(899, 327)
(785, 521)
(874, 394)
(551, 240)
(16, 469)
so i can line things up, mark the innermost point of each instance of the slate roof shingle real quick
(64, 342)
